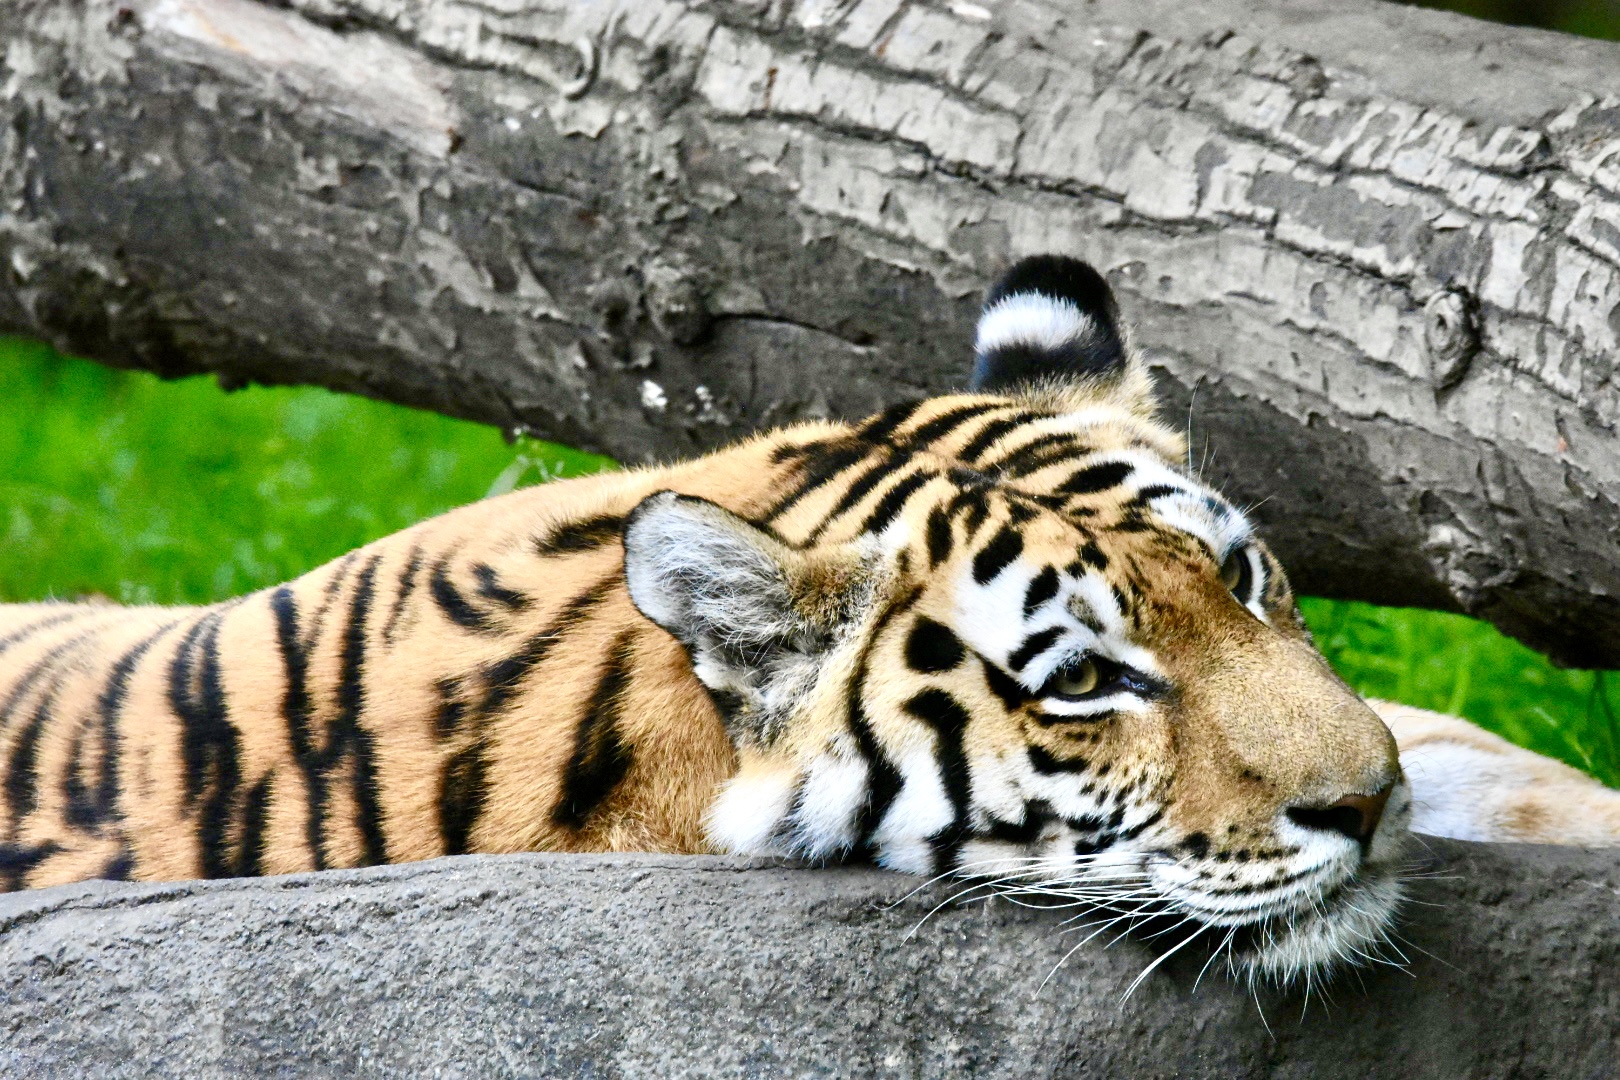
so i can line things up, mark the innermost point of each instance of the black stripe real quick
(859, 489)
(1023, 460)
(1061, 455)
(122, 866)
(997, 555)
(880, 427)
(25, 682)
(946, 423)
(295, 710)
(992, 433)
(255, 815)
(1140, 827)
(490, 588)
(586, 534)
(1033, 646)
(1042, 588)
(329, 594)
(208, 743)
(453, 604)
(883, 779)
(22, 761)
(79, 808)
(1095, 478)
(949, 719)
(17, 637)
(796, 451)
(1047, 765)
(978, 510)
(1147, 494)
(821, 468)
(22, 769)
(894, 500)
(1011, 692)
(452, 709)
(600, 759)
(462, 785)
(932, 648)
(407, 584)
(1037, 815)
(939, 536)
(17, 861)
(348, 735)
(109, 710)
(502, 678)
(1093, 556)
(463, 790)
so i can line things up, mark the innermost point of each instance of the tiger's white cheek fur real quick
(997, 794)
(828, 805)
(919, 811)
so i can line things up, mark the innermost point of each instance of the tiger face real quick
(1083, 677)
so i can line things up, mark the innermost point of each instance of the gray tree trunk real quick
(1374, 252)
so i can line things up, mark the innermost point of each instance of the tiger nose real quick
(1356, 816)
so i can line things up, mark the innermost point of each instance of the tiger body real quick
(478, 682)
(1000, 632)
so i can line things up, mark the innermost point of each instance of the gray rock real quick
(598, 966)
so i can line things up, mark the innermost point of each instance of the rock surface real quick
(628, 966)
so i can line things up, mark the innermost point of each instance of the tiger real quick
(1004, 633)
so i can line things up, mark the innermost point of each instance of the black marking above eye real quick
(932, 648)
(1042, 588)
(1033, 646)
(1158, 491)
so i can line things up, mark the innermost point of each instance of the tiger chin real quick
(1000, 633)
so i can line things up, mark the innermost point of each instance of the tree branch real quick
(1375, 252)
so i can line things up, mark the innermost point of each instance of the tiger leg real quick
(1472, 785)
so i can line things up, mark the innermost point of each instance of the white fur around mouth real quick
(1328, 918)
(1351, 927)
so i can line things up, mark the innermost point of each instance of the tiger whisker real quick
(1189, 939)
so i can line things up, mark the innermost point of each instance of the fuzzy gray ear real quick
(723, 587)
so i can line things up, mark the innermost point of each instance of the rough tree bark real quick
(1375, 252)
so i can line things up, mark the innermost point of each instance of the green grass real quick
(1589, 18)
(1464, 667)
(122, 485)
(118, 484)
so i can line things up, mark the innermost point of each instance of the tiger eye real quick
(1077, 680)
(1236, 573)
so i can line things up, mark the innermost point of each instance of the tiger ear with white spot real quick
(1051, 325)
(731, 593)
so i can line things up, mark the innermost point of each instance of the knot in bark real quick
(1450, 338)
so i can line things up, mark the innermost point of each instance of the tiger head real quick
(1057, 662)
